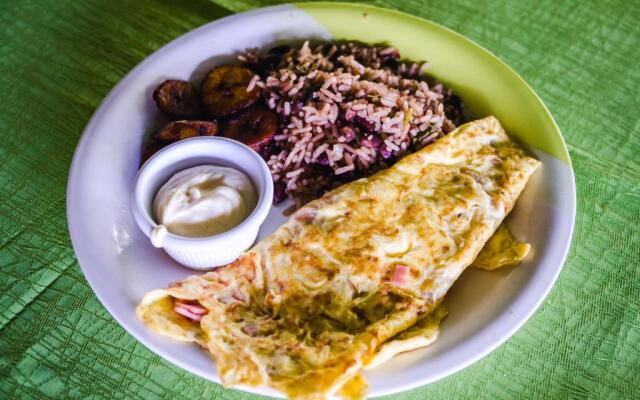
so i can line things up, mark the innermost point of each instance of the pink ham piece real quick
(251, 329)
(400, 275)
(192, 311)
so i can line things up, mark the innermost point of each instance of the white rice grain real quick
(344, 169)
(252, 83)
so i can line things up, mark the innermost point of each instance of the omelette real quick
(363, 268)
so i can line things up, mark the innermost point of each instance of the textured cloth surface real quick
(59, 59)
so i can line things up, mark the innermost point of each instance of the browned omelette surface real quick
(308, 307)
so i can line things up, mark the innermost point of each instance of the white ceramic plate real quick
(485, 308)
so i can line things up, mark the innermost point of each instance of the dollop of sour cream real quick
(202, 201)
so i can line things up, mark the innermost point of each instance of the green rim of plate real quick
(487, 85)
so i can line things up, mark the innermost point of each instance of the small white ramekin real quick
(213, 251)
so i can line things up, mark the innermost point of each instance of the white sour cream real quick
(202, 201)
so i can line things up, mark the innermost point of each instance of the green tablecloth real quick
(59, 59)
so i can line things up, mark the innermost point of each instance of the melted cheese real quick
(502, 250)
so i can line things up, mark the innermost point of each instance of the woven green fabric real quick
(59, 59)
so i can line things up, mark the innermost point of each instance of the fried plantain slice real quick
(177, 99)
(224, 90)
(152, 148)
(178, 130)
(254, 127)
(175, 131)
